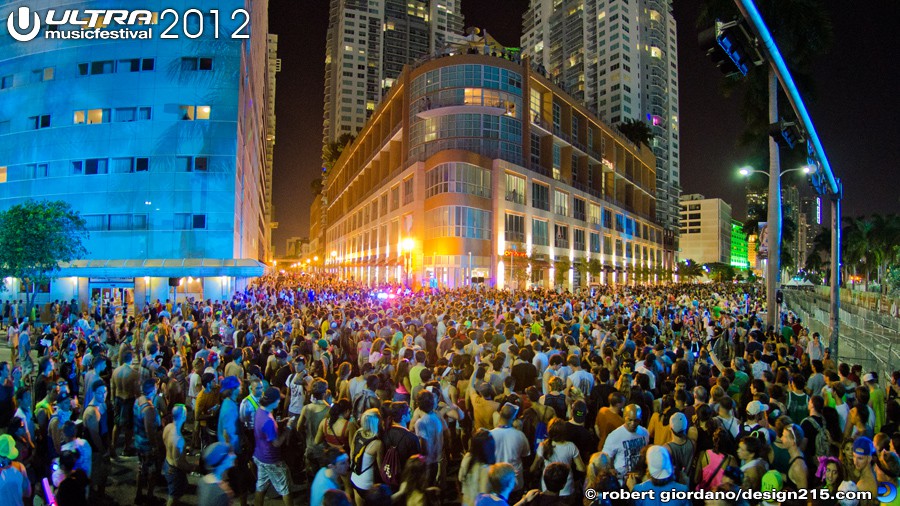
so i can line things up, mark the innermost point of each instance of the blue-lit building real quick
(161, 145)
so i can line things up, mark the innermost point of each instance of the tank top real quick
(712, 474)
(557, 402)
(781, 459)
(337, 440)
(797, 406)
(313, 419)
(297, 396)
(366, 480)
(141, 438)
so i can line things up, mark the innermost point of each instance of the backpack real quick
(360, 443)
(823, 441)
(390, 468)
(365, 401)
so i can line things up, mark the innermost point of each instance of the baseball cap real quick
(659, 462)
(271, 395)
(756, 407)
(230, 383)
(281, 354)
(214, 454)
(579, 411)
(323, 344)
(869, 377)
(8, 447)
(863, 446)
(772, 481)
(678, 422)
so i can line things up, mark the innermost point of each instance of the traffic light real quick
(779, 297)
(786, 133)
(731, 47)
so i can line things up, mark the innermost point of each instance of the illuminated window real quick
(79, 117)
(190, 112)
(95, 116)
(202, 112)
(3, 171)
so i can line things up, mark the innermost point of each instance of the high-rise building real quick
(739, 251)
(620, 60)
(160, 145)
(367, 45)
(706, 228)
(477, 167)
(273, 67)
(810, 225)
(790, 210)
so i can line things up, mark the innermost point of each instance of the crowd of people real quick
(326, 392)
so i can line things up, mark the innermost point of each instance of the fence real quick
(867, 337)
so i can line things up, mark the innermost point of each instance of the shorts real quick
(176, 480)
(239, 478)
(124, 412)
(276, 474)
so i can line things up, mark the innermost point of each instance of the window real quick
(579, 210)
(148, 64)
(561, 233)
(595, 243)
(94, 166)
(561, 203)
(6, 82)
(539, 235)
(515, 189)
(458, 177)
(408, 188)
(578, 239)
(201, 164)
(3, 174)
(395, 198)
(80, 116)
(141, 164)
(143, 113)
(38, 122)
(40, 75)
(95, 116)
(620, 223)
(77, 167)
(185, 221)
(540, 196)
(594, 214)
(515, 228)
(190, 112)
(102, 67)
(122, 165)
(607, 245)
(607, 218)
(192, 63)
(125, 114)
(457, 221)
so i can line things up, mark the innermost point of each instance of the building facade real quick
(160, 145)
(368, 43)
(620, 59)
(705, 229)
(739, 245)
(478, 167)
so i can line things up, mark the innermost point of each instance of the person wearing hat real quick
(876, 399)
(15, 488)
(772, 481)
(576, 432)
(681, 448)
(887, 470)
(662, 478)
(267, 453)
(863, 460)
(211, 490)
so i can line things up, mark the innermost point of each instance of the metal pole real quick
(835, 271)
(773, 267)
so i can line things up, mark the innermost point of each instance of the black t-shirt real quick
(754, 346)
(810, 433)
(525, 375)
(582, 438)
(281, 376)
(72, 490)
(406, 442)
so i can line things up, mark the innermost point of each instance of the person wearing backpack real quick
(399, 445)
(366, 454)
(680, 448)
(818, 438)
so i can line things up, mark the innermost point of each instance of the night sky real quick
(855, 110)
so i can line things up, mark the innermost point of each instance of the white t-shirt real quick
(564, 452)
(511, 446)
(624, 448)
(583, 380)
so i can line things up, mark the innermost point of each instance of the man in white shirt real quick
(623, 445)
(510, 443)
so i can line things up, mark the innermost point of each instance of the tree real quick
(721, 273)
(561, 271)
(688, 269)
(636, 131)
(332, 151)
(857, 238)
(35, 237)
(595, 268)
(581, 266)
(316, 186)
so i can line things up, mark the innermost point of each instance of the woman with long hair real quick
(367, 450)
(401, 380)
(557, 448)
(414, 484)
(752, 451)
(343, 380)
(337, 429)
(711, 464)
(829, 476)
(846, 458)
(473, 470)
(702, 428)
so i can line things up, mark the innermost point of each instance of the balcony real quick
(428, 109)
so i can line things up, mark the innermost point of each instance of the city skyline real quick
(710, 123)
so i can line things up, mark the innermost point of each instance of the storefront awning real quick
(164, 268)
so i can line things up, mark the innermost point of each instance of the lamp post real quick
(334, 261)
(773, 262)
(406, 246)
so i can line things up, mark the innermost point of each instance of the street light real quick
(773, 242)
(334, 260)
(406, 246)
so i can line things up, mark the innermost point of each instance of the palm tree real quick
(857, 238)
(688, 269)
(636, 131)
(885, 238)
(332, 151)
(595, 268)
